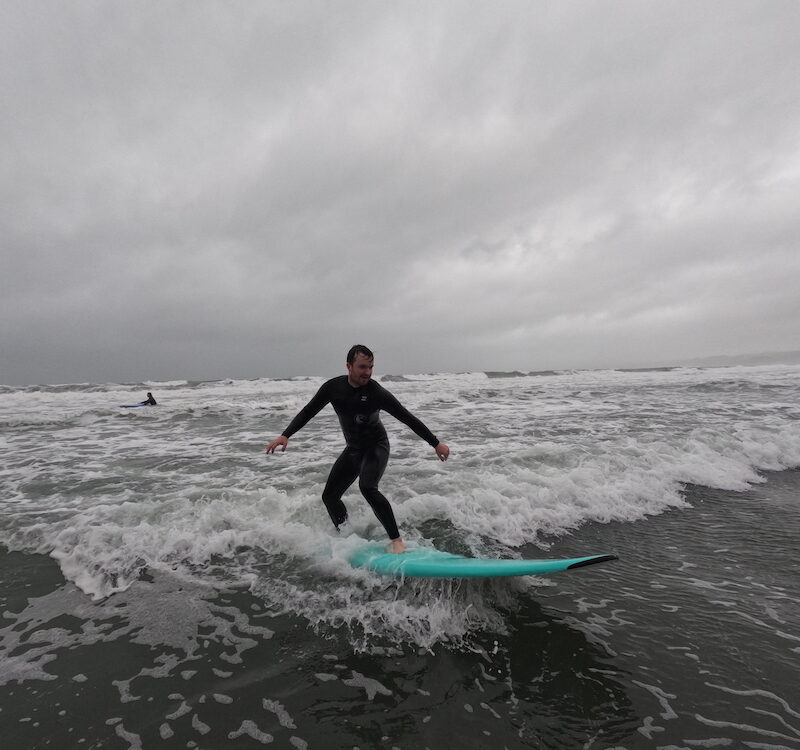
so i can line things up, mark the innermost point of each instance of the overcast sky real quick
(240, 189)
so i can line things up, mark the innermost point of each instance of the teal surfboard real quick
(427, 562)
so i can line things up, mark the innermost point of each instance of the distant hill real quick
(729, 360)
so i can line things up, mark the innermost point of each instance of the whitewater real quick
(110, 492)
(169, 526)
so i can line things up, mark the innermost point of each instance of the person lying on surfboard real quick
(357, 401)
(150, 401)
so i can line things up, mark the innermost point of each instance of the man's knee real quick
(373, 496)
(368, 489)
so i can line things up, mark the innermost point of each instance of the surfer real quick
(357, 401)
(150, 401)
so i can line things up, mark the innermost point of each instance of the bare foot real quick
(397, 547)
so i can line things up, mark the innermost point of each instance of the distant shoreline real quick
(748, 360)
(787, 358)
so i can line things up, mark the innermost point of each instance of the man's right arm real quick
(306, 414)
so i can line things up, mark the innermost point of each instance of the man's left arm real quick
(391, 405)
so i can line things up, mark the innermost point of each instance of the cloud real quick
(210, 190)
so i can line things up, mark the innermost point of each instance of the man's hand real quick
(282, 441)
(442, 451)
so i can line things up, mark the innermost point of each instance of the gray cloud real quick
(199, 190)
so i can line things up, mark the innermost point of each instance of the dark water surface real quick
(691, 639)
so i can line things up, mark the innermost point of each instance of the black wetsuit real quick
(367, 451)
(149, 402)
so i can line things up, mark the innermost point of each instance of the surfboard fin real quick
(592, 561)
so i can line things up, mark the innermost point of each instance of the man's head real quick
(360, 361)
(356, 350)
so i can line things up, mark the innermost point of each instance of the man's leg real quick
(343, 473)
(373, 464)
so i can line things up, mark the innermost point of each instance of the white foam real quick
(283, 716)
(250, 728)
(368, 685)
(185, 488)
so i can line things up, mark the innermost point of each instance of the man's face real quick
(360, 370)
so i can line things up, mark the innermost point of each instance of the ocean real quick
(165, 584)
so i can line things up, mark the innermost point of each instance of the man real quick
(357, 401)
(150, 401)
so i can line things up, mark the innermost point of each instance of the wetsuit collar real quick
(360, 385)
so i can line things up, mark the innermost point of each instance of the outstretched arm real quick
(310, 410)
(398, 411)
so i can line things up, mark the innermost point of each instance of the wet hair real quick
(356, 350)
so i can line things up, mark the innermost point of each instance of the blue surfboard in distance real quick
(427, 562)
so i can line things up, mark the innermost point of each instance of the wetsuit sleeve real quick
(308, 412)
(391, 405)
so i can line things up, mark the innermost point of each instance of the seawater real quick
(164, 583)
